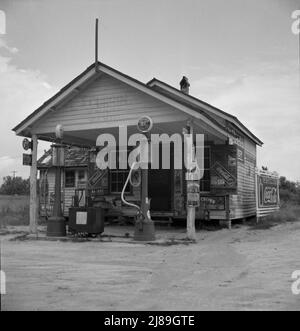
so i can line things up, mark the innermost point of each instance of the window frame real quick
(118, 171)
(74, 183)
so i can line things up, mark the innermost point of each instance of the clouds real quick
(265, 97)
(8, 164)
(21, 91)
(4, 45)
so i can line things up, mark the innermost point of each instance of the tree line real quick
(15, 185)
(289, 190)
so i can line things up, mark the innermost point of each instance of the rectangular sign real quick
(212, 202)
(193, 199)
(81, 217)
(27, 159)
(240, 154)
(235, 135)
(224, 169)
(267, 191)
(222, 177)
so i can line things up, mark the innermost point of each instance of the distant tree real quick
(289, 191)
(15, 185)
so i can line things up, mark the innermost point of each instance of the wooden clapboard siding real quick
(244, 203)
(107, 100)
(67, 192)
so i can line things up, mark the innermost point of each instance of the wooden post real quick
(33, 209)
(191, 210)
(227, 203)
(190, 223)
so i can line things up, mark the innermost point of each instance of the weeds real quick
(287, 213)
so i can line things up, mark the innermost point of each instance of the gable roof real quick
(74, 157)
(177, 99)
(191, 100)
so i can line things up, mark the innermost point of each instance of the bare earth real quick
(241, 269)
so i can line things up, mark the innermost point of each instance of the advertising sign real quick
(212, 202)
(27, 159)
(224, 169)
(268, 191)
(193, 196)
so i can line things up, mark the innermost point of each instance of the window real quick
(117, 181)
(117, 178)
(81, 175)
(70, 178)
(205, 181)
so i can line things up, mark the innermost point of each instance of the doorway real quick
(160, 183)
(159, 189)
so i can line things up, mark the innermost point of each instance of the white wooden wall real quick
(244, 203)
(106, 102)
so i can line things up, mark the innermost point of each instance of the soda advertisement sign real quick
(268, 191)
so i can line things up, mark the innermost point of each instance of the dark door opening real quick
(159, 189)
(160, 185)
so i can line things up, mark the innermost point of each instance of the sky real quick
(240, 56)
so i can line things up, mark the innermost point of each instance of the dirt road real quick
(241, 269)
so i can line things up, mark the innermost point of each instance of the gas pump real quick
(85, 217)
(144, 226)
(123, 191)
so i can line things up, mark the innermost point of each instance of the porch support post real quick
(190, 223)
(33, 209)
(191, 183)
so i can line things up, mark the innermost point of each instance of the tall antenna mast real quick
(96, 45)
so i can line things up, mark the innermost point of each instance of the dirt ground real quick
(241, 269)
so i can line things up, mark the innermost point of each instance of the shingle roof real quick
(177, 97)
(74, 157)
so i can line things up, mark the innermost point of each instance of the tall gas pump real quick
(56, 226)
(144, 226)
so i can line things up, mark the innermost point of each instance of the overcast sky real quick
(239, 55)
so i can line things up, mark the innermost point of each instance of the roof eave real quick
(154, 81)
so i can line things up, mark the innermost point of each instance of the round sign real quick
(135, 178)
(145, 124)
(26, 144)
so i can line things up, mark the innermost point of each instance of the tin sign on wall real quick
(268, 191)
(193, 196)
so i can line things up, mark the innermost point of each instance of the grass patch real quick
(287, 213)
(12, 217)
(14, 210)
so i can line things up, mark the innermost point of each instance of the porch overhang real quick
(87, 137)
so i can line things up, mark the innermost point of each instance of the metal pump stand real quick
(56, 226)
(144, 226)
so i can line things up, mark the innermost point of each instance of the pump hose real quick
(123, 190)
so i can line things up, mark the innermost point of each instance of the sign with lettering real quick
(268, 191)
(224, 169)
(27, 159)
(240, 154)
(212, 202)
(235, 135)
(193, 196)
(145, 124)
(81, 217)
(222, 177)
(26, 144)
(95, 178)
